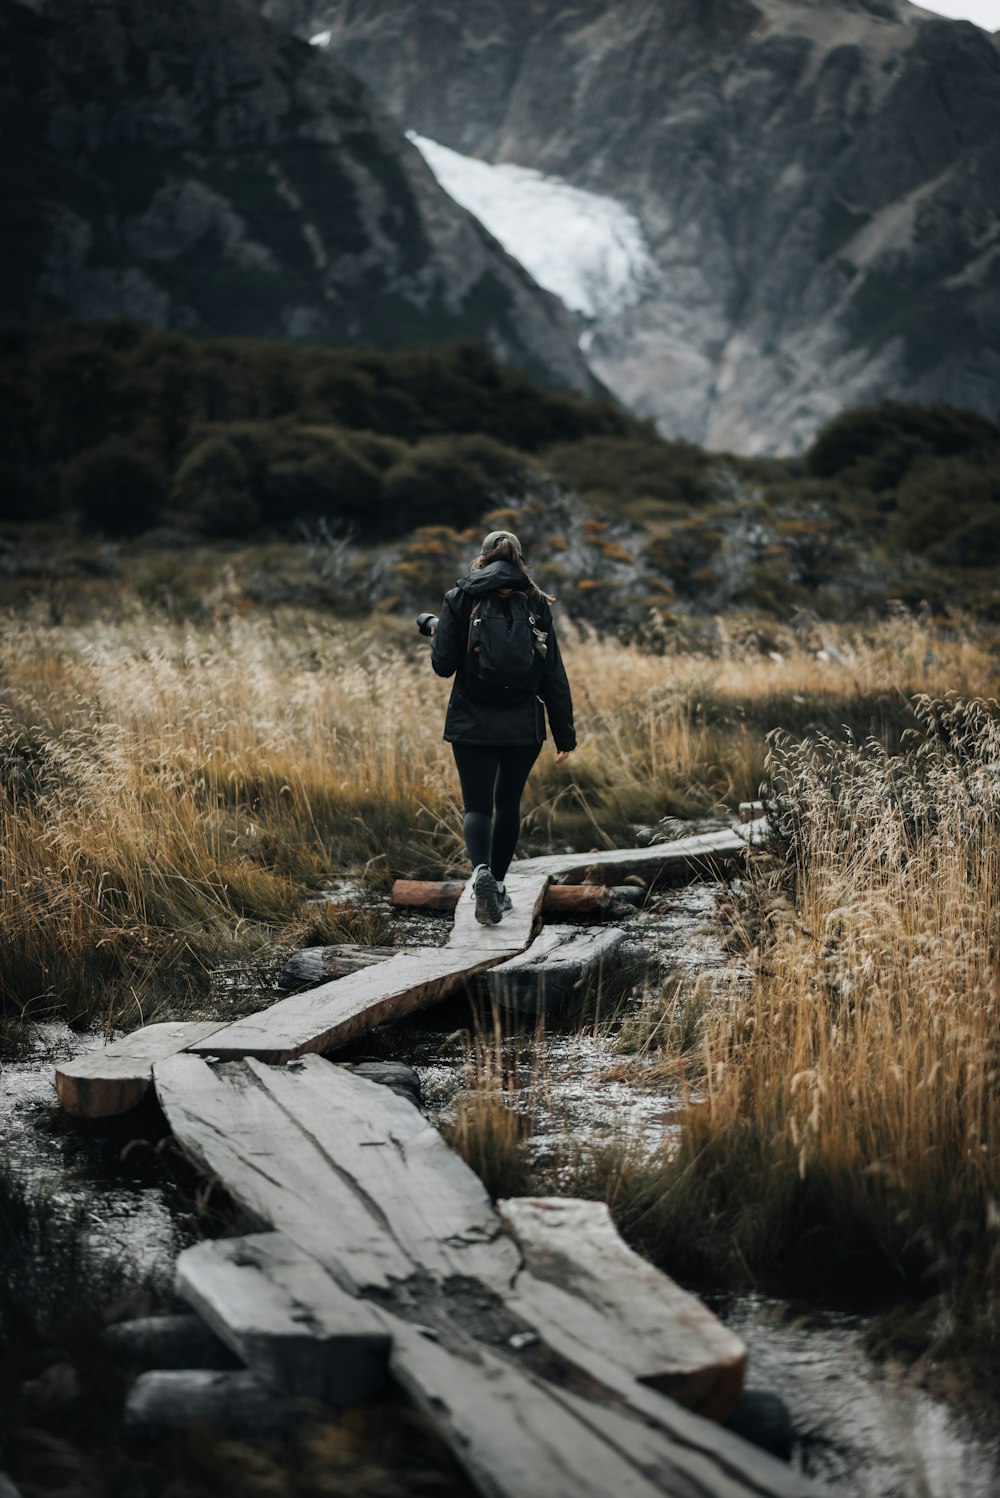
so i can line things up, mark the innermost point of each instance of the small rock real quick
(764, 1419)
(395, 1074)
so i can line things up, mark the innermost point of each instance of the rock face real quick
(818, 182)
(193, 166)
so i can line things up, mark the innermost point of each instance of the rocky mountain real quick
(818, 182)
(193, 167)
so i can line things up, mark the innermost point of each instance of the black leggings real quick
(493, 777)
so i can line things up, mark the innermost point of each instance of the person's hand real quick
(563, 756)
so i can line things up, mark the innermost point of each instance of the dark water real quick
(867, 1430)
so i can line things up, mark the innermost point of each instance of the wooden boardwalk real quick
(116, 1077)
(554, 1361)
(541, 1348)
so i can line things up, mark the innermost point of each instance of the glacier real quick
(587, 248)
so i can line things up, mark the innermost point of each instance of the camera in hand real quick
(427, 623)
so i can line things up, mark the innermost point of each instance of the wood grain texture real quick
(277, 1308)
(117, 1077)
(586, 1288)
(347, 1169)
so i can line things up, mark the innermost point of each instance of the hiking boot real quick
(489, 910)
(506, 903)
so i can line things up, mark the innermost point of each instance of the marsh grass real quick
(172, 795)
(842, 1130)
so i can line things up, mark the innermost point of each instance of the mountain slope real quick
(195, 168)
(818, 182)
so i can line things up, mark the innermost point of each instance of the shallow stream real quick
(869, 1431)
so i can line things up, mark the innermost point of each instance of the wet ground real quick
(868, 1431)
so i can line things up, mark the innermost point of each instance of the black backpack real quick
(506, 647)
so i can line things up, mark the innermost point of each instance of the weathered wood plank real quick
(285, 1317)
(521, 1434)
(334, 1013)
(177, 1399)
(323, 1018)
(702, 852)
(348, 1170)
(117, 1077)
(549, 973)
(585, 1288)
(526, 886)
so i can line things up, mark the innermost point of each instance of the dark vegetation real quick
(124, 430)
(63, 1388)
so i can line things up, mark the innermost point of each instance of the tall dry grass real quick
(845, 1124)
(169, 793)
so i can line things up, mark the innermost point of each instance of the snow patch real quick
(586, 247)
(321, 39)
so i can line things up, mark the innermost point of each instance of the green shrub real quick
(213, 486)
(115, 488)
(450, 479)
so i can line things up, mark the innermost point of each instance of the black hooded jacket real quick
(523, 720)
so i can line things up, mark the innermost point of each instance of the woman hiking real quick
(495, 636)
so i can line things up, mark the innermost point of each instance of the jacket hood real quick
(496, 575)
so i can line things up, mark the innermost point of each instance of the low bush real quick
(115, 488)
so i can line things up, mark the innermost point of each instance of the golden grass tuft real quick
(844, 1128)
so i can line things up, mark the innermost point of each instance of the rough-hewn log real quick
(286, 1318)
(239, 1402)
(561, 901)
(549, 974)
(312, 965)
(115, 1078)
(586, 1289)
(180, 1341)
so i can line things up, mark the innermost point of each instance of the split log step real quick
(117, 1077)
(284, 1316)
(237, 1402)
(584, 1287)
(550, 973)
(561, 901)
(357, 1180)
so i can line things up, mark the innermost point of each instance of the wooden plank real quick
(521, 1434)
(117, 1077)
(320, 1019)
(702, 852)
(585, 1288)
(176, 1399)
(549, 973)
(334, 1013)
(285, 1317)
(526, 886)
(346, 1168)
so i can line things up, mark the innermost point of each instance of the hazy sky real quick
(983, 12)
